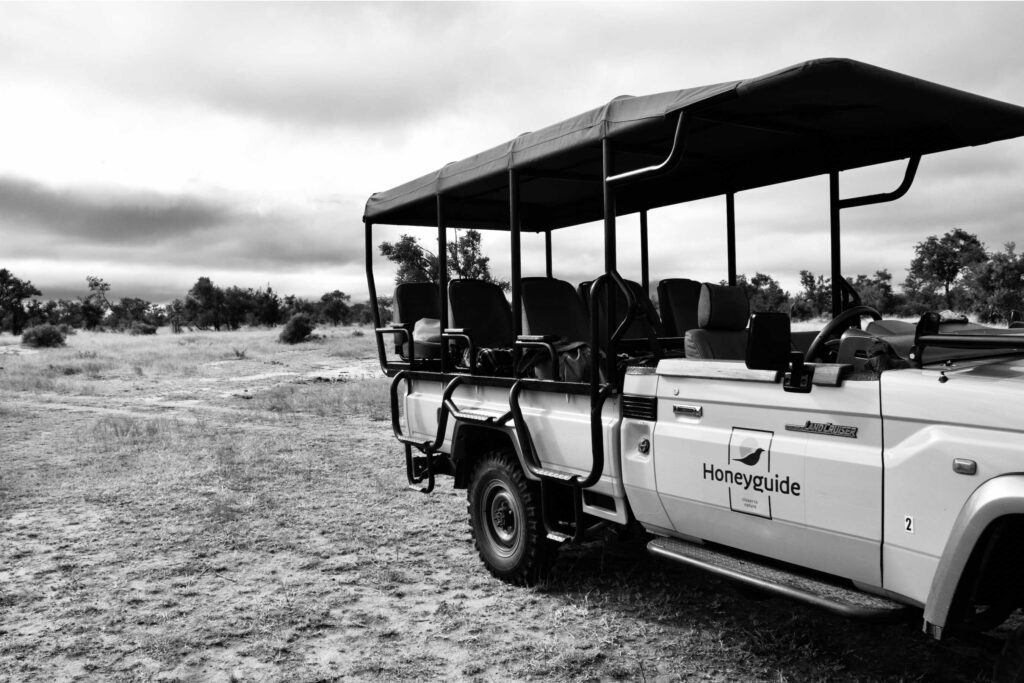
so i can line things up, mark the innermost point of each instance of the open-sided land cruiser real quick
(868, 471)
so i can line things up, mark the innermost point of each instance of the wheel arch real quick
(470, 441)
(995, 507)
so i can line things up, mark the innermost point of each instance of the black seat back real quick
(721, 333)
(679, 299)
(415, 301)
(644, 325)
(553, 307)
(482, 309)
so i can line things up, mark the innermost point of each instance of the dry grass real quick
(214, 517)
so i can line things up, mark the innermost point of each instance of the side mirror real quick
(769, 347)
(768, 343)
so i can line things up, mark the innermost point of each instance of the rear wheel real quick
(505, 518)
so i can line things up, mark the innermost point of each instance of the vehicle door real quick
(792, 476)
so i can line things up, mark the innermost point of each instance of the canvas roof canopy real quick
(809, 119)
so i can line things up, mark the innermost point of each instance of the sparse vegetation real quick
(297, 329)
(43, 336)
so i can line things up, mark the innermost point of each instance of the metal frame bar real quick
(836, 204)
(547, 253)
(515, 236)
(645, 271)
(442, 279)
(730, 236)
(374, 305)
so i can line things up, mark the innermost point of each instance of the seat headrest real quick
(722, 307)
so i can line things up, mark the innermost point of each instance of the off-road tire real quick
(505, 520)
(1010, 667)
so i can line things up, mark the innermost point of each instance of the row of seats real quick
(711, 318)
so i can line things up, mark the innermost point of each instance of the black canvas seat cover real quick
(554, 307)
(415, 301)
(721, 333)
(678, 299)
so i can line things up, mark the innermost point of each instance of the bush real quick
(297, 329)
(43, 336)
(142, 328)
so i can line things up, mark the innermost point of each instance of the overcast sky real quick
(150, 144)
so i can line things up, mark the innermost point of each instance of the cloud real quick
(141, 226)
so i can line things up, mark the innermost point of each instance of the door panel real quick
(792, 476)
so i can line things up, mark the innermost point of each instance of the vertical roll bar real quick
(836, 204)
(730, 235)
(645, 272)
(514, 229)
(442, 277)
(609, 248)
(374, 304)
(837, 265)
(547, 252)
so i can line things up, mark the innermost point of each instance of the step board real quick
(834, 597)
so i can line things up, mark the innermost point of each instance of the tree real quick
(939, 262)
(12, 292)
(204, 304)
(816, 297)
(127, 311)
(416, 264)
(95, 304)
(877, 292)
(334, 307)
(267, 307)
(764, 293)
(996, 285)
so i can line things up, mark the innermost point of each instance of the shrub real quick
(142, 328)
(297, 329)
(43, 335)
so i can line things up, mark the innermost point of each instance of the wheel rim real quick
(503, 515)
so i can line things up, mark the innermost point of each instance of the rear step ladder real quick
(834, 597)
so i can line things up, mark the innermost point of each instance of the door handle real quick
(687, 411)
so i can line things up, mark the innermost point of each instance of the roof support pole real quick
(374, 304)
(645, 271)
(514, 229)
(547, 253)
(609, 208)
(442, 277)
(837, 265)
(609, 254)
(836, 205)
(730, 235)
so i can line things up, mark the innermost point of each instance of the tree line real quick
(204, 306)
(950, 272)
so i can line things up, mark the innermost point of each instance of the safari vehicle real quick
(868, 471)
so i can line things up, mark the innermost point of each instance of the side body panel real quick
(559, 426)
(796, 477)
(973, 414)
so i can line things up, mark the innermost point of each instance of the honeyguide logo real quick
(753, 482)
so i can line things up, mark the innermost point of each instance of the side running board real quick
(832, 596)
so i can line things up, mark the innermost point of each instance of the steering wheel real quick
(835, 328)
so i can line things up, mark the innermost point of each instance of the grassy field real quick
(218, 506)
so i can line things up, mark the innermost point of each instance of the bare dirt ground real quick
(183, 508)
